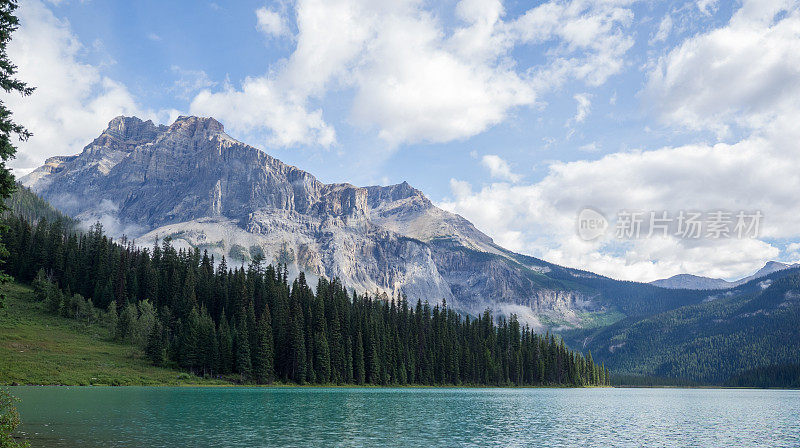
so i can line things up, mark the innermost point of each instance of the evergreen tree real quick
(358, 360)
(322, 358)
(189, 342)
(111, 318)
(297, 366)
(225, 341)
(243, 362)
(156, 350)
(126, 323)
(263, 365)
(9, 130)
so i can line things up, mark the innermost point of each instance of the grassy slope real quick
(39, 348)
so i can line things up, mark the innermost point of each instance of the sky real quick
(517, 115)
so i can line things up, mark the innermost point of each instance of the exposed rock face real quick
(192, 182)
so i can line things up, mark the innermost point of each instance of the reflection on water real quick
(233, 416)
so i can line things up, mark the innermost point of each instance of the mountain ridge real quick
(689, 281)
(193, 183)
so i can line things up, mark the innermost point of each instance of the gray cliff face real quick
(194, 183)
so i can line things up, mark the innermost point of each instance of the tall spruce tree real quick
(9, 130)
(225, 341)
(263, 362)
(244, 366)
(156, 350)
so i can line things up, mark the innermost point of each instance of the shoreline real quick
(369, 386)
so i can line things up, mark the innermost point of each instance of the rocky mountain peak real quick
(391, 193)
(195, 128)
(131, 129)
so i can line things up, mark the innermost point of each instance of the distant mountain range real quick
(750, 326)
(688, 281)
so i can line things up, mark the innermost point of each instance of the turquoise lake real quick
(245, 417)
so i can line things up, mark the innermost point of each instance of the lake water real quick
(239, 416)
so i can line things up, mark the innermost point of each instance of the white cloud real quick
(584, 107)
(743, 74)
(154, 37)
(499, 168)
(707, 7)
(757, 173)
(413, 79)
(592, 35)
(664, 28)
(271, 23)
(73, 101)
(590, 147)
(190, 81)
(260, 102)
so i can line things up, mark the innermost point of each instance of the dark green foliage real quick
(28, 205)
(243, 364)
(784, 376)
(300, 335)
(9, 130)
(264, 353)
(731, 332)
(225, 343)
(156, 350)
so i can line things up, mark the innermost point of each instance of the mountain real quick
(193, 183)
(728, 334)
(688, 281)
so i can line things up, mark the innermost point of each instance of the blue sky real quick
(513, 114)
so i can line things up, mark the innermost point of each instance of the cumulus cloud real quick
(499, 168)
(539, 219)
(412, 78)
(271, 23)
(743, 75)
(261, 101)
(593, 37)
(73, 101)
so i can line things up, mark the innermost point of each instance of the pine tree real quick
(188, 299)
(9, 130)
(358, 360)
(297, 356)
(263, 365)
(126, 322)
(156, 345)
(225, 341)
(322, 357)
(243, 362)
(111, 318)
(190, 342)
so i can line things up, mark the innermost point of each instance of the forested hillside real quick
(212, 319)
(753, 326)
(29, 206)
